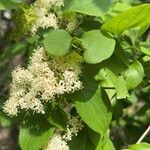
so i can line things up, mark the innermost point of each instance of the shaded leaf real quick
(81, 142)
(56, 116)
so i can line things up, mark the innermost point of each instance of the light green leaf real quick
(105, 143)
(140, 146)
(145, 50)
(29, 141)
(137, 16)
(121, 89)
(8, 4)
(109, 80)
(57, 42)
(134, 75)
(118, 8)
(146, 58)
(93, 105)
(89, 7)
(97, 46)
(108, 145)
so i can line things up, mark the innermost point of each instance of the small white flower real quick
(59, 142)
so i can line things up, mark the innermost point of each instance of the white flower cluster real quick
(59, 142)
(68, 69)
(43, 79)
(74, 126)
(45, 18)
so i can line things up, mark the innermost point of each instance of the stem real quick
(144, 135)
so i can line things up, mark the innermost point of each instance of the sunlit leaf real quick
(97, 46)
(137, 16)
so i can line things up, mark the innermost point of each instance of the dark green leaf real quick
(81, 142)
(56, 116)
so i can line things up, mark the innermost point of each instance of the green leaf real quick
(146, 58)
(28, 141)
(98, 47)
(82, 141)
(89, 7)
(144, 50)
(134, 75)
(138, 16)
(121, 89)
(109, 80)
(92, 103)
(8, 4)
(106, 143)
(4, 120)
(56, 116)
(134, 33)
(57, 42)
(140, 146)
(119, 7)
(94, 136)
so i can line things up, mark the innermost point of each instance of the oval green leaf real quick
(97, 46)
(134, 75)
(57, 42)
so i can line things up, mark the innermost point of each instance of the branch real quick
(144, 135)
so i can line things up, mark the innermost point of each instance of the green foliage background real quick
(114, 103)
